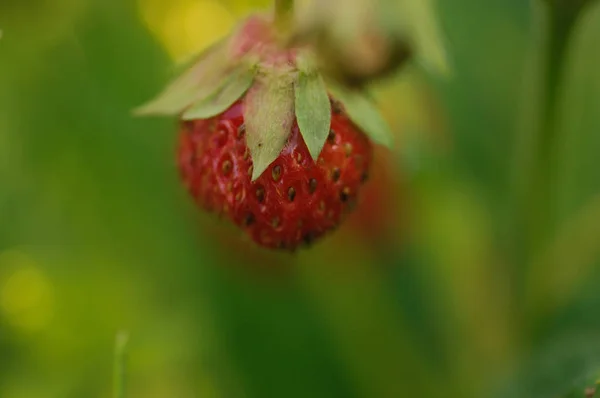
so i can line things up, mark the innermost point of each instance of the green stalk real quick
(284, 15)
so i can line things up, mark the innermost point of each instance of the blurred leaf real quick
(562, 368)
(232, 90)
(313, 110)
(365, 326)
(570, 254)
(455, 232)
(585, 390)
(364, 113)
(268, 114)
(567, 260)
(568, 6)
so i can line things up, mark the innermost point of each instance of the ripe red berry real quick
(295, 200)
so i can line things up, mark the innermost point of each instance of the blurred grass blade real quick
(120, 365)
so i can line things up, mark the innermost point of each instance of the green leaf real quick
(268, 114)
(313, 111)
(364, 113)
(197, 83)
(232, 90)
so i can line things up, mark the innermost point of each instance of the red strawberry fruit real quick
(265, 141)
(296, 199)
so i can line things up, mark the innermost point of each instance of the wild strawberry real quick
(263, 142)
(296, 199)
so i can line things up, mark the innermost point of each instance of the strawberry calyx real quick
(277, 84)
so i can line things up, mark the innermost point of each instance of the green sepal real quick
(233, 89)
(268, 114)
(313, 109)
(364, 113)
(206, 75)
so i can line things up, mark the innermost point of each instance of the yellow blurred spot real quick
(26, 298)
(185, 27)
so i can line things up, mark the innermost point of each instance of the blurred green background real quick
(430, 290)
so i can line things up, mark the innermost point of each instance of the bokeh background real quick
(425, 292)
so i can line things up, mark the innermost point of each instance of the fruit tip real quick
(138, 112)
(148, 109)
(314, 154)
(257, 172)
(142, 110)
(388, 140)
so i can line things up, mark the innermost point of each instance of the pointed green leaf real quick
(313, 111)
(364, 113)
(198, 82)
(232, 90)
(268, 114)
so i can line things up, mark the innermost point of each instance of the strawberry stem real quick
(284, 12)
